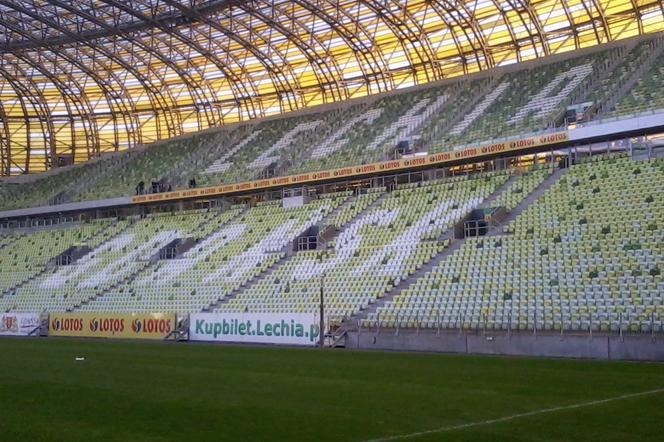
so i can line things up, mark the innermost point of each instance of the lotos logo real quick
(151, 326)
(67, 324)
(9, 324)
(106, 325)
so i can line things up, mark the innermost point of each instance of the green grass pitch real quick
(126, 391)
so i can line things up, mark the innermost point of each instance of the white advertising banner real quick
(18, 324)
(266, 328)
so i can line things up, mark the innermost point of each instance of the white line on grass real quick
(516, 416)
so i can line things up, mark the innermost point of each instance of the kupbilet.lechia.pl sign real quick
(266, 328)
(18, 324)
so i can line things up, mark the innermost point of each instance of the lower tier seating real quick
(373, 253)
(25, 255)
(128, 248)
(587, 255)
(237, 251)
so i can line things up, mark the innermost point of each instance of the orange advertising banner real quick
(112, 325)
(438, 159)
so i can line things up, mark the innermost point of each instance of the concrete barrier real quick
(554, 346)
(448, 343)
(636, 348)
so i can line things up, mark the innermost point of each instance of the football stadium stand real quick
(24, 256)
(36, 190)
(526, 101)
(586, 255)
(146, 165)
(647, 93)
(373, 253)
(525, 196)
(504, 102)
(127, 250)
(223, 259)
(605, 94)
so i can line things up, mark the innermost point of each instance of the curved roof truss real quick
(84, 77)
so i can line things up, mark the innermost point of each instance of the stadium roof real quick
(88, 76)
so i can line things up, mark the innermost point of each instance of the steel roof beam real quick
(113, 98)
(279, 79)
(238, 86)
(153, 91)
(195, 88)
(111, 30)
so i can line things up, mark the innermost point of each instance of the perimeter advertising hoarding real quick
(18, 324)
(264, 328)
(112, 325)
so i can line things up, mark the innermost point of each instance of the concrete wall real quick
(639, 348)
(67, 207)
(619, 125)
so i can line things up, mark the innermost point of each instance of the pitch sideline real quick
(515, 416)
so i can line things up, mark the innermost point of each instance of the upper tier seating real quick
(266, 146)
(622, 73)
(42, 190)
(374, 134)
(522, 102)
(147, 165)
(647, 94)
(587, 255)
(431, 118)
(359, 134)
